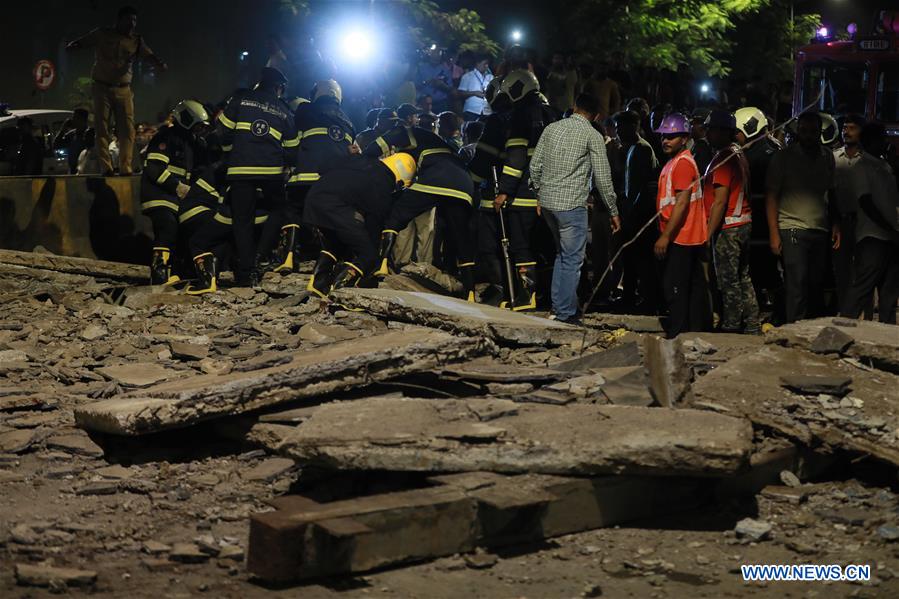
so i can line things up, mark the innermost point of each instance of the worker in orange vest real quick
(682, 244)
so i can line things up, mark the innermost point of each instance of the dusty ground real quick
(121, 514)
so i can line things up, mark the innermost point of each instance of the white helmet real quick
(518, 84)
(188, 113)
(830, 130)
(750, 121)
(328, 87)
(295, 102)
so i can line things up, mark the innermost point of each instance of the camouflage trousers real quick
(739, 308)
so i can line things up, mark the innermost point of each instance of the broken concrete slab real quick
(459, 316)
(304, 539)
(333, 367)
(16, 441)
(319, 334)
(100, 269)
(831, 340)
(43, 575)
(140, 374)
(629, 322)
(183, 350)
(624, 354)
(494, 371)
(814, 385)
(873, 343)
(627, 386)
(750, 386)
(270, 469)
(79, 444)
(583, 439)
(669, 375)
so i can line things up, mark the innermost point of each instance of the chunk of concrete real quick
(831, 340)
(578, 439)
(624, 354)
(459, 316)
(332, 367)
(41, 575)
(873, 343)
(141, 374)
(669, 375)
(814, 385)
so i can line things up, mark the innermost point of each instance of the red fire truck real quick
(860, 75)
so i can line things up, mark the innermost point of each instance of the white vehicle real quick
(47, 124)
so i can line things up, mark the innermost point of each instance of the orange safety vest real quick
(739, 211)
(695, 230)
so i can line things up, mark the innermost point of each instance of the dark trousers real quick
(686, 289)
(876, 267)
(243, 213)
(603, 246)
(165, 227)
(455, 214)
(805, 264)
(520, 227)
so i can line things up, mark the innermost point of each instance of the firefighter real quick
(164, 182)
(259, 133)
(759, 146)
(527, 119)
(443, 183)
(361, 186)
(484, 166)
(202, 200)
(326, 134)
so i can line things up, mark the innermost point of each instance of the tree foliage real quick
(661, 33)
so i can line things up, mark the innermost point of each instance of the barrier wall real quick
(86, 216)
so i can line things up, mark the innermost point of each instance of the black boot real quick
(346, 274)
(526, 295)
(161, 267)
(388, 239)
(466, 275)
(204, 264)
(322, 274)
(286, 260)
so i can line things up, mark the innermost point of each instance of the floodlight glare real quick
(705, 88)
(356, 45)
(823, 32)
(516, 36)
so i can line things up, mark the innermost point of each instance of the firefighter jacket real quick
(206, 191)
(259, 135)
(439, 171)
(170, 158)
(527, 120)
(325, 134)
(489, 156)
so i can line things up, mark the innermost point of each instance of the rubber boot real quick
(204, 264)
(526, 296)
(346, 274)
(492, 270)
(466, 275)
(388, 239)
(322, 274)
(286, 260)
(161, 267)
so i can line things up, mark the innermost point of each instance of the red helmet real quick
(674, 123)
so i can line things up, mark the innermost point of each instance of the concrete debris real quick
(137, 375)
(55, 578)
(187, 553)
(182, 350)
(624, 354)
(428, 436)
(814, 385)
(669, 376)
(79, 444)
(16, 441)
(790, 479)
(831, 340)
(333, 367)
(754, 530)
(270, 469)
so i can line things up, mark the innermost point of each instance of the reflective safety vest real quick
(739, 209)
(695, 228)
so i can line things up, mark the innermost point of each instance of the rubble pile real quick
(152, 442)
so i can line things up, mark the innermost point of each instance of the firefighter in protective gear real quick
(528, 117)
(830, 130)
(259, 129)
(348, 206)
(165, 181)
(326, 135)
(443, 183)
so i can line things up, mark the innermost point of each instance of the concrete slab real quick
(577, 439)
(333, 367)
(458, 316)
(750, 386)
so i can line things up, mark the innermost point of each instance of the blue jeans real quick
(569, 230)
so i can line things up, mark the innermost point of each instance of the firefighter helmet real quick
(327, 87)
(518, 84)
(188, 113)
(402, 165)
(491, 92)
(830, 130)
(750, 121)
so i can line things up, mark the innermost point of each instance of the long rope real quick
(653, 219)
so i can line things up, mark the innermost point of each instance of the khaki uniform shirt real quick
(114, 54)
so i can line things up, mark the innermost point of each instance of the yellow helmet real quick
(327, 87)
(188, 113)
(402, 166)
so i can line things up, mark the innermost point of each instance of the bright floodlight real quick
(516, 36)
(356, 45)
(823, 31)
(705, 88)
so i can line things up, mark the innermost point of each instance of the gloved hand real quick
(181, 190)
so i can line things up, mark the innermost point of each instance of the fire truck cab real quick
(853, 76)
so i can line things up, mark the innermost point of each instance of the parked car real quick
(47, 124)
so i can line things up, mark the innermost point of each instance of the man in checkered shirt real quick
(571, 155)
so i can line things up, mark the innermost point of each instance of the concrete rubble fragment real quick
(54, 577)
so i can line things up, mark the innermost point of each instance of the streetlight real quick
(516, 35)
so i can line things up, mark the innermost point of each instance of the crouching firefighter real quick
(165, 182)
(442, 182)
(348, 207)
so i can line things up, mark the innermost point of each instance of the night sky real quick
(202, 40)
